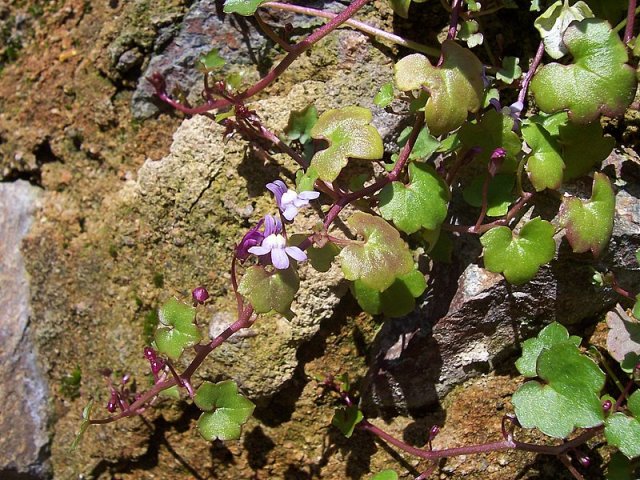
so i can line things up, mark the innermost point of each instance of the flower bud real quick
(199, 295)
(606, 405)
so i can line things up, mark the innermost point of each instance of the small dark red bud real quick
(435, 430)
(156, 365)
(496, 160)
(606, 405)
(149, 353)
(584, 461)
(125, 379)
(112, 405)
(199, 295)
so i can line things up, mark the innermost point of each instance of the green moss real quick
(149, 325)
(158, 280)
(70, 384)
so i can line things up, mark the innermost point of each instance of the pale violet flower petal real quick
(308, 195)
(290, 212)
(279, 259)
(259, 250)
(296, 253)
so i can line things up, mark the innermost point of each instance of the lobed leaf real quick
(268, 291)
(177, 329)
(425, 145)
(518, 257)
(382, 257)
(554, 22)
(568, 399)
(582, 146)
(346, 419)
(423, 203)
(350, 135)
(549, 336)
(397, 300)
(455, 88)
(242, 7)
(510, 71)
(623, 432)
(589, 223)
(211, 61)
(544, 164)
(599, 80)
(225, 410)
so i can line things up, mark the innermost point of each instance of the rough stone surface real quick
(23, 389)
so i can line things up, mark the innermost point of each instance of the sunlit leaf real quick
(385, 475)
(582, 146)
(211, 61)
(422, 203)
(532, 348)
(267, 291)
(456, 87)
(554, 22)
(589, 223)
(305, 181)
(177, 329)
(225, 410)
(470, 33)
(544, 164)
(568, 398)
(384, 96)
(242, 7)
(520, 256)
(350, 135)
(86, 417)
(425, 146)
(397, 300)
(598, 81)
(381, 258)
(623, 432)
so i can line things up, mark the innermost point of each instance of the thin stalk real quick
(363, 27)
(266, 28)
(631, 16)
(624, 22)
(522, 95)
(455, 14)
(485, 201)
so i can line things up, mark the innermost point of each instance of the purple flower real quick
(514, 110)
(199, 295)
(276, 245)
(252, 238)
(289, 201)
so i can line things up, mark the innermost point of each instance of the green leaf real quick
(225, 410)
(382, 257)
(350, 135)
(385, 475)
(510, 71)
(611, 10)
(549, 336)
(423, 203)
(425, 146)
(401, 7)
(554, 22)
(242, 7)
(384, 96)
(599, 81)
(582, 146)
(346, 419)
(623, 432)
(305, 181)
(320, 258)
(589, 223)
(211, 61)
(397, 300)
(544, 164)
(267, 291)
(620, 468)
(499, 195)
(492, 131)
(177, 329)
(470, 34)
(570, 397)
(455, 87)
(300, 124)
(171, 392)
(633, 403)
(518, 257)
(636, 308)
(86, 417)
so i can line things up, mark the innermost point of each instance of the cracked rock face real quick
(23, 389)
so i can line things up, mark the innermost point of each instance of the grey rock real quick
(129, 60)
(23, 389)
